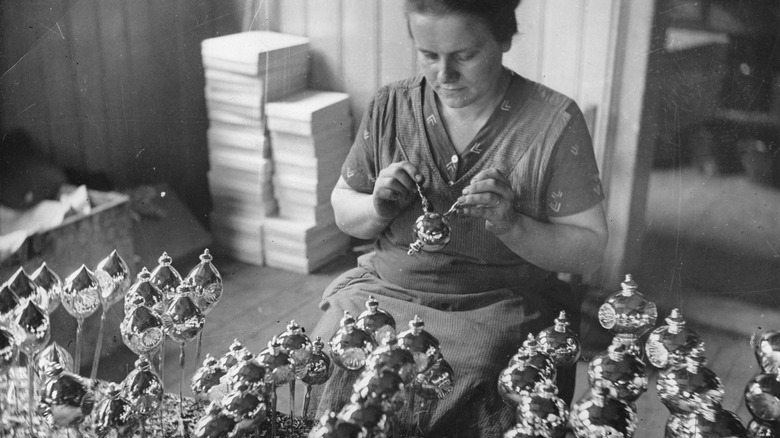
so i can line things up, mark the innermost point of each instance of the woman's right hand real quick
(395, 189)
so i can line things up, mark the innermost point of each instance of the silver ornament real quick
(9, 350)
(143, 389)
(51, 355)
(596, 415)
(235, 351)
(423, 345)
(689, 388)
(391, 356)
(51, 287)
(762, 397)
(376, 322)
(619, 372)
(9, 304)
(81, 293)
(383, 388)
(247, 372)
(114, 415)
(297, 345)
(114, 279)
(216, 423)
(350, 346)
(627, 312)
(25, 289)
(142, 331)
(542, 411)
(432, 233)
(670, 344)
(371, 417)
(560, 343)
(247, 407)
(144, 293)
(183, 319)
(331, 426)
(165, 277)
(206, 377)
(319, 368)
(280, 368)
(34, 329)
(517, 381)
(207, 282)
(709, 423)
(66, 399)
(767, 351)
(436, 383)
(532, 354)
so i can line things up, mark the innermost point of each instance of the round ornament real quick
(114, 415)
(206, 377)
(370, 417)
(297, 345)
(543, 411)
(376, 322)
(432, 233)
(709, 423)
(517, 381)
(51, 355)
(758, 429)
(560, 343)
(216, 423)
(81, 293)
(9, 350)
(165, 277)
(619, 372)
(436, 383)
(628, 312)
(280, 368)
(597, 415)
(670, 344)
(247, 407)
(767, 351)
(183, 319)
(423, 345)
(50, 286)
(689, 388)
(142, 330)
(143, 389)
(532, 354)
(247, 372)
(144, 293)
(391, 356)
(331, 426)
(207, 282)
(762, 397)
(350, 346)
(384, 389)
(65, 399)
(114, 278)
(230, 358)
(319, 368)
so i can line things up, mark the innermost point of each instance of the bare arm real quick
(365, 215)
(573, 244)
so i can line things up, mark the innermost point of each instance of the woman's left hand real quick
(490, 196)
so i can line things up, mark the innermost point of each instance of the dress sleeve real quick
(574, 183)
(359, 168)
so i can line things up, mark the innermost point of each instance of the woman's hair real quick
(499, 15)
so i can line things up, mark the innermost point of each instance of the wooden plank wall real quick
(113, 86)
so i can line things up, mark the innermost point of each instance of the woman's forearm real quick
(355, 213)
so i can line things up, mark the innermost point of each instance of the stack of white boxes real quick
(242, 71)
(310, 138)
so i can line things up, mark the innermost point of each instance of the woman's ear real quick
(505, 46)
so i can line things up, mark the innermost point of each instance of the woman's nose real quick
(447, 71)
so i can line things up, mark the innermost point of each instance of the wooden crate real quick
(83, 239)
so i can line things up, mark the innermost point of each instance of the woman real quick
(518, 160)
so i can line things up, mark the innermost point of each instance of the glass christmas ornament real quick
(165, 277)
(248, 372)
(767, 351)
(523, 431)
(9, 350)
(560, 343)
(391, 356)
(516, 381)
(66, 399)
(230, 358)
(143, 389)
(532, 354)
(350, 346)
(144, 293)
(436, 383)
(114, 278)
(371, 417)
(9, 304)
(280, 369)
(183, 319)
(762, 397)
(376, 322)
(207, 281)
(297, 345)
(331, 426)
(758, 429)
(384, 389)
(246, 407)
(709, 423)
(206, 377)
(432, 233)
(689, 388)
(216, 423)
(26, 289)
(53, 354)
(597, 415)
(114, 415)
(318, 371)
(142, 331)
(619, 372)
(423, 345)
(81, 298)
(627, 313)
(543, 412)
(670, 344)
(50, 286)
(34, 329)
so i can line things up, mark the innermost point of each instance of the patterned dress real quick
(476, 296)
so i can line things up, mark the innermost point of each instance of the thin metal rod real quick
(198, 348)
(306, 401)
(181, 390)
(292, 407)
(99, 346)
(31, 392)
(273, 411)
(162, 383)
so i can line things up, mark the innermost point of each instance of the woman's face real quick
(458, 55)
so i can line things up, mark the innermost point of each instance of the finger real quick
(491, 173)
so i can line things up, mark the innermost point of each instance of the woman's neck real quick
(480, 110)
